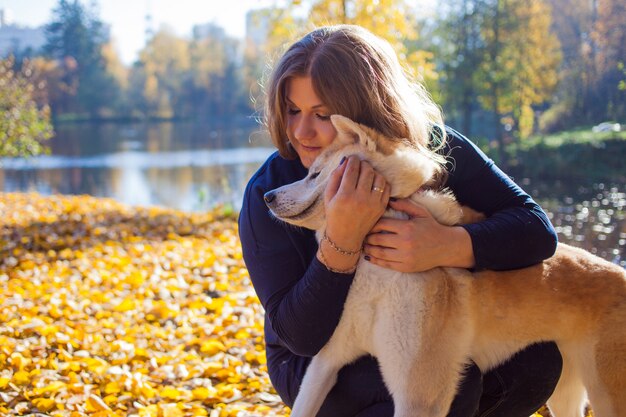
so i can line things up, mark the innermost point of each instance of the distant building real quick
(209, 30)
(17, 39)
(257, 26)
(213, 31)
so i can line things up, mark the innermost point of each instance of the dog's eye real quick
(315, 175)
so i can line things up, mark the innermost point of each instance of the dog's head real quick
(405, 168)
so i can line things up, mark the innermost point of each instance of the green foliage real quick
(23, 125)
(582, 135)
(588, 158)
(579, 153)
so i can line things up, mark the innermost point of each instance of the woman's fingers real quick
(366, 178)
(380, 187)
(335, 180)
(351, 172)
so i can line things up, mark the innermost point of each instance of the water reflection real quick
(180, 165)
(590, 216)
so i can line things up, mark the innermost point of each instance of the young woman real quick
(302, 285)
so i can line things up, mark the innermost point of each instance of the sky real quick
(127, 17)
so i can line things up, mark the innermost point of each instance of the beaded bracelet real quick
(338, 249)
(331, 269)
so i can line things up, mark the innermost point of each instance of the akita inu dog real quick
(426, 326)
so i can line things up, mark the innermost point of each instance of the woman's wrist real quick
(459, 252)
(336, 258)
(345, 237)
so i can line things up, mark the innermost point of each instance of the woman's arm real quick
(303, 299)
(516, 233)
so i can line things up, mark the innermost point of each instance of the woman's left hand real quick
(417, 244)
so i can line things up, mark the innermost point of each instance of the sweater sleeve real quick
(517, 232)
(302, 298)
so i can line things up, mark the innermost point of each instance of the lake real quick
(193, 167)
(187, 166)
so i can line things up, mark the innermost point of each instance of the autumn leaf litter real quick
(115, 310)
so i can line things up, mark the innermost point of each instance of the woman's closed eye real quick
(293, 111)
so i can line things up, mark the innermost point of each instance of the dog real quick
(426, 326)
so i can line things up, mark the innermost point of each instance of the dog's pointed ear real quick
(351, 132)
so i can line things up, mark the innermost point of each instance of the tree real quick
(593, 42)
(572, 25)
(461, 53)
(160, 74)
(24, 126)
(609, 37)
(215, 88)
(75, 34)
(393, 20)
(519, 69)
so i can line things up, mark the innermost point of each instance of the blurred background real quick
(158, 102)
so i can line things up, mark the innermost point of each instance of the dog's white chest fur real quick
(376, 295)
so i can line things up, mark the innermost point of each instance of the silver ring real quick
(378, 189)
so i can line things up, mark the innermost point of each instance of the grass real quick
(579, 154)
(581, 136)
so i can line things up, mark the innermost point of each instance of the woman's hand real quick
(419, 243)
(355, 198)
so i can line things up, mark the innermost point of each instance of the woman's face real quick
(309, 128)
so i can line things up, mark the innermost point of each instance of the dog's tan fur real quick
(424, 327)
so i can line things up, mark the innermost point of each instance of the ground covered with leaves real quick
(113, 310)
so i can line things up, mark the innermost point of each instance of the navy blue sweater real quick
(303, 301)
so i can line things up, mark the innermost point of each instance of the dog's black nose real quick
(269, 197)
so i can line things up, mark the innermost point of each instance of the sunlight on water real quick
(593, 218)
(143, 160)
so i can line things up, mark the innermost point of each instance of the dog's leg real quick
(422, 363)
(319, 379)
(607, 393)
(321, 375)
(569, 397)
(424, 387)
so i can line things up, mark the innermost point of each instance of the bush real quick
(24, 125)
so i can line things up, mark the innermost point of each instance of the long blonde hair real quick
(358, 75)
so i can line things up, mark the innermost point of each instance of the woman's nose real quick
(304, 129)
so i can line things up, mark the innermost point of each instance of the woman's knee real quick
(359, 386)
(468, 395)
(524, 383)
(539, 364)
